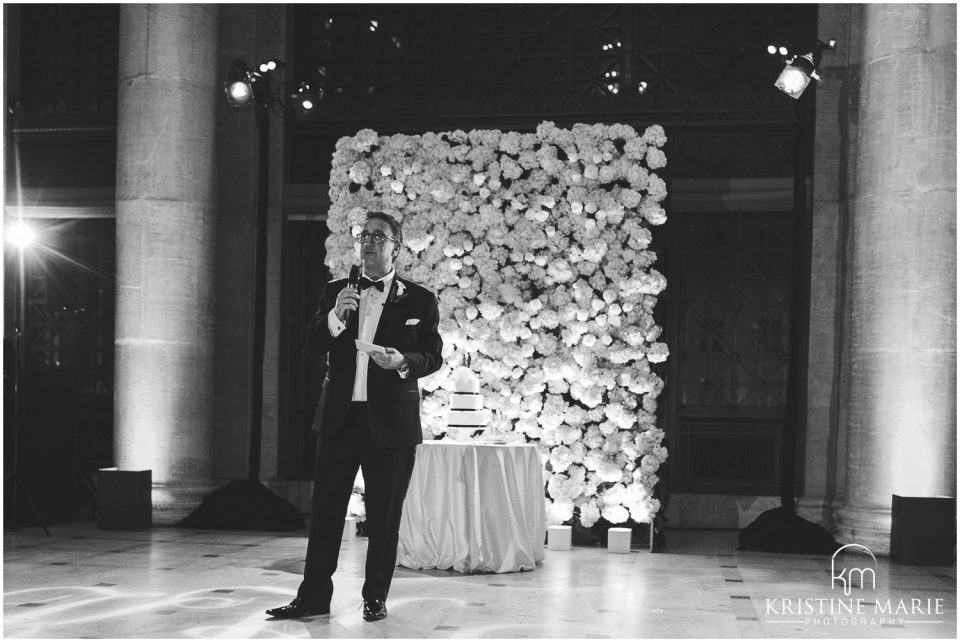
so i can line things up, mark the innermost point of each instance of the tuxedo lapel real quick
(398, 291)
(388, 317)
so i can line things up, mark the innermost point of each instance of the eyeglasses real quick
(377, 238)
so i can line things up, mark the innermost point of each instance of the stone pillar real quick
(902, 417)
(165, 250)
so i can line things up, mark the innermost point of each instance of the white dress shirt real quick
(368, 317)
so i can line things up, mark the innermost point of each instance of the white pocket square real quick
(412, 321)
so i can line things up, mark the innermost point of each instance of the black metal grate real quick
(739, 457)
(735, 312)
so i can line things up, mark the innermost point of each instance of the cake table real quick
(474, 507)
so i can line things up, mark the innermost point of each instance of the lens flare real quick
(21, 234)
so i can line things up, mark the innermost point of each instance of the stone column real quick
(165, 250)
(902, 406)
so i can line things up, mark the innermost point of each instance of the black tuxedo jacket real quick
(409, 324)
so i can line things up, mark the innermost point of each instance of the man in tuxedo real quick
(368, 415)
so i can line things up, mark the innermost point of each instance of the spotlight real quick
(306, 99)
(269, 65)
(776, 48)
(795, 77)
(239, 85)
(800, 70)
(239, 92)
(642, 87)
(21, 235)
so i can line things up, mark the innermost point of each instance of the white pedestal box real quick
(559, 538)
(618, 540)
(350, 529)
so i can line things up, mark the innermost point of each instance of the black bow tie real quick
(367, 283)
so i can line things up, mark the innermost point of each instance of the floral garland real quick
(537, 246)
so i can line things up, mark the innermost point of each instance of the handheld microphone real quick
(353, 281)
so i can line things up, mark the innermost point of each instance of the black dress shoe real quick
(298, 608)
(374, 610)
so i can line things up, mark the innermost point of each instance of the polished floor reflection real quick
(170, 583)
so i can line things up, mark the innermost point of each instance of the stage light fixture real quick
(800, 70)
(239, 92)
(239, 85)
(642, 87)
(306, 99)
(796, 75)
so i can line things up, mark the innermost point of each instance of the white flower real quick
(559, 512)
(418, 243)
(655, 158)
(589, 513)
(654, 135)
(364, 140)
(442, 194)
(615, 514)
(356, 507)
(560, 458)
(359, 172)
(658, 353)
(490, 311)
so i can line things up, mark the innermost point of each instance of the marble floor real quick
(172, 583)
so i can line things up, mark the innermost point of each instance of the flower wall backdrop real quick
(537, 247)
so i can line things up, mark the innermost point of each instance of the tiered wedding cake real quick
(466, 414)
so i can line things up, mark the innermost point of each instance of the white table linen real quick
(474, 507)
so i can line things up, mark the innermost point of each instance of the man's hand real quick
(389, 360)
(347, 300)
